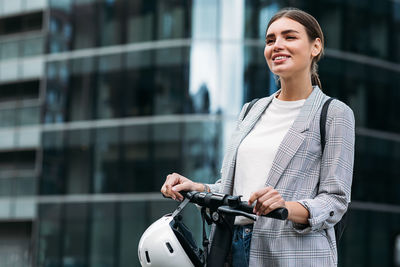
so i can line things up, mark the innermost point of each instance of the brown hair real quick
(313, 31)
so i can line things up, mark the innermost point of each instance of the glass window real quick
(60, 26)
(110, 22)
(52, 180)
(29, 116)
(32, 46)
(358, 249)
(8, 117)
(79, 161)
(80, 103)
(75, 234)
(25, 186)
(49, 235)
(109, 88)
(140, 21)
(86, 29)
(257, 15)
(205, 28)
(397, 251)
(58, 74)
(375, 170)
(172, 19)
(9, 49)
(106, 161)
(256, 75)
(103, 235)
(15, 243)
(6, 185)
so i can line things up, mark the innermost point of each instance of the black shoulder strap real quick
(340, 225)
(251, 104)
(322, 122)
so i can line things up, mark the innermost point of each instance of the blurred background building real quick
(101, 99)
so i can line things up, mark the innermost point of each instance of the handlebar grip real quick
(279, 213)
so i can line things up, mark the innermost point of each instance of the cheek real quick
(267, 54)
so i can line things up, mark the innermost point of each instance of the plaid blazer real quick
(321, 183)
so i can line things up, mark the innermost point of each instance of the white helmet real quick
(163, 245)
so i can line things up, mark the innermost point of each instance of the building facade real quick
(101, 99)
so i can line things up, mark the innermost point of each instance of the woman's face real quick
(288, 50)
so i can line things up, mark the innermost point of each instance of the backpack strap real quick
(322, 122)
(340, 225)
(251, 104)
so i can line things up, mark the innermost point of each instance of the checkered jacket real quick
(321, 183)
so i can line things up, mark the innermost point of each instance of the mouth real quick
(280, 58)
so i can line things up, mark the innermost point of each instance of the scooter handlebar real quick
(215, 200)
(279, 213)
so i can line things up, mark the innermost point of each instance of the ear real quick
(316, 48)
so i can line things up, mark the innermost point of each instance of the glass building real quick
(101, 99)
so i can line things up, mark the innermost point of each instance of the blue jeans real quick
(241, 245)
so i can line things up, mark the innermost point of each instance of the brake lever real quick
(230, 210)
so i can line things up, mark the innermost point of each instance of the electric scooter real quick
(219, 210)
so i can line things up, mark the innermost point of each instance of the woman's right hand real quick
(175, 183)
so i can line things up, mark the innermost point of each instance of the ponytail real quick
(314, 74)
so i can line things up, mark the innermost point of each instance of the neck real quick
(295, 88)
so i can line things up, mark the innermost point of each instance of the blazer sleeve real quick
(336, 175)
(216, 187)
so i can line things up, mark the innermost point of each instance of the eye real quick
(290, 37)
(269, 41)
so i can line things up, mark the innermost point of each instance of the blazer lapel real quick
(243, 129)
(295, 136)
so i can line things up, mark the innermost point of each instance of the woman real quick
(275, 157)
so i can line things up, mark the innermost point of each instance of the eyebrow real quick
(283, 33)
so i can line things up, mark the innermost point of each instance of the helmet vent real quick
(171, 250)
(147, 256)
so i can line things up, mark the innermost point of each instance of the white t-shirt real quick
(258, 149)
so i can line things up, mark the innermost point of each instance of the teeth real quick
(280, 57)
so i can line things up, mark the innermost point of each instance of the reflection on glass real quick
(6, 185)
(82, 90)
(58, 74)
(397, 251)
(29, 116)
(376, 170)
(75, 230)
(8, 117)
(171, 19)
(49, 235)
(25, 186)
(110, 14)
(98, 234)
(9, 49)
(32, 46)
(129, 159)
(106, 161)
(102, 235)
(85, 26)
(140, 22)
(78, 166)
(363, 231)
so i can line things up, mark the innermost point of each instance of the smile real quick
(280, 58)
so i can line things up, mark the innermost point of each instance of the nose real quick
(278, 44)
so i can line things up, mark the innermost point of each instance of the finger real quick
(277, 205)
(181, 187)
(269, 194)
(266, 206)
(258, 193)
(170, 192)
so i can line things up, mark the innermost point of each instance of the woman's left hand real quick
(267, 199)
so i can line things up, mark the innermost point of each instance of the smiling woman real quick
(276, 157)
